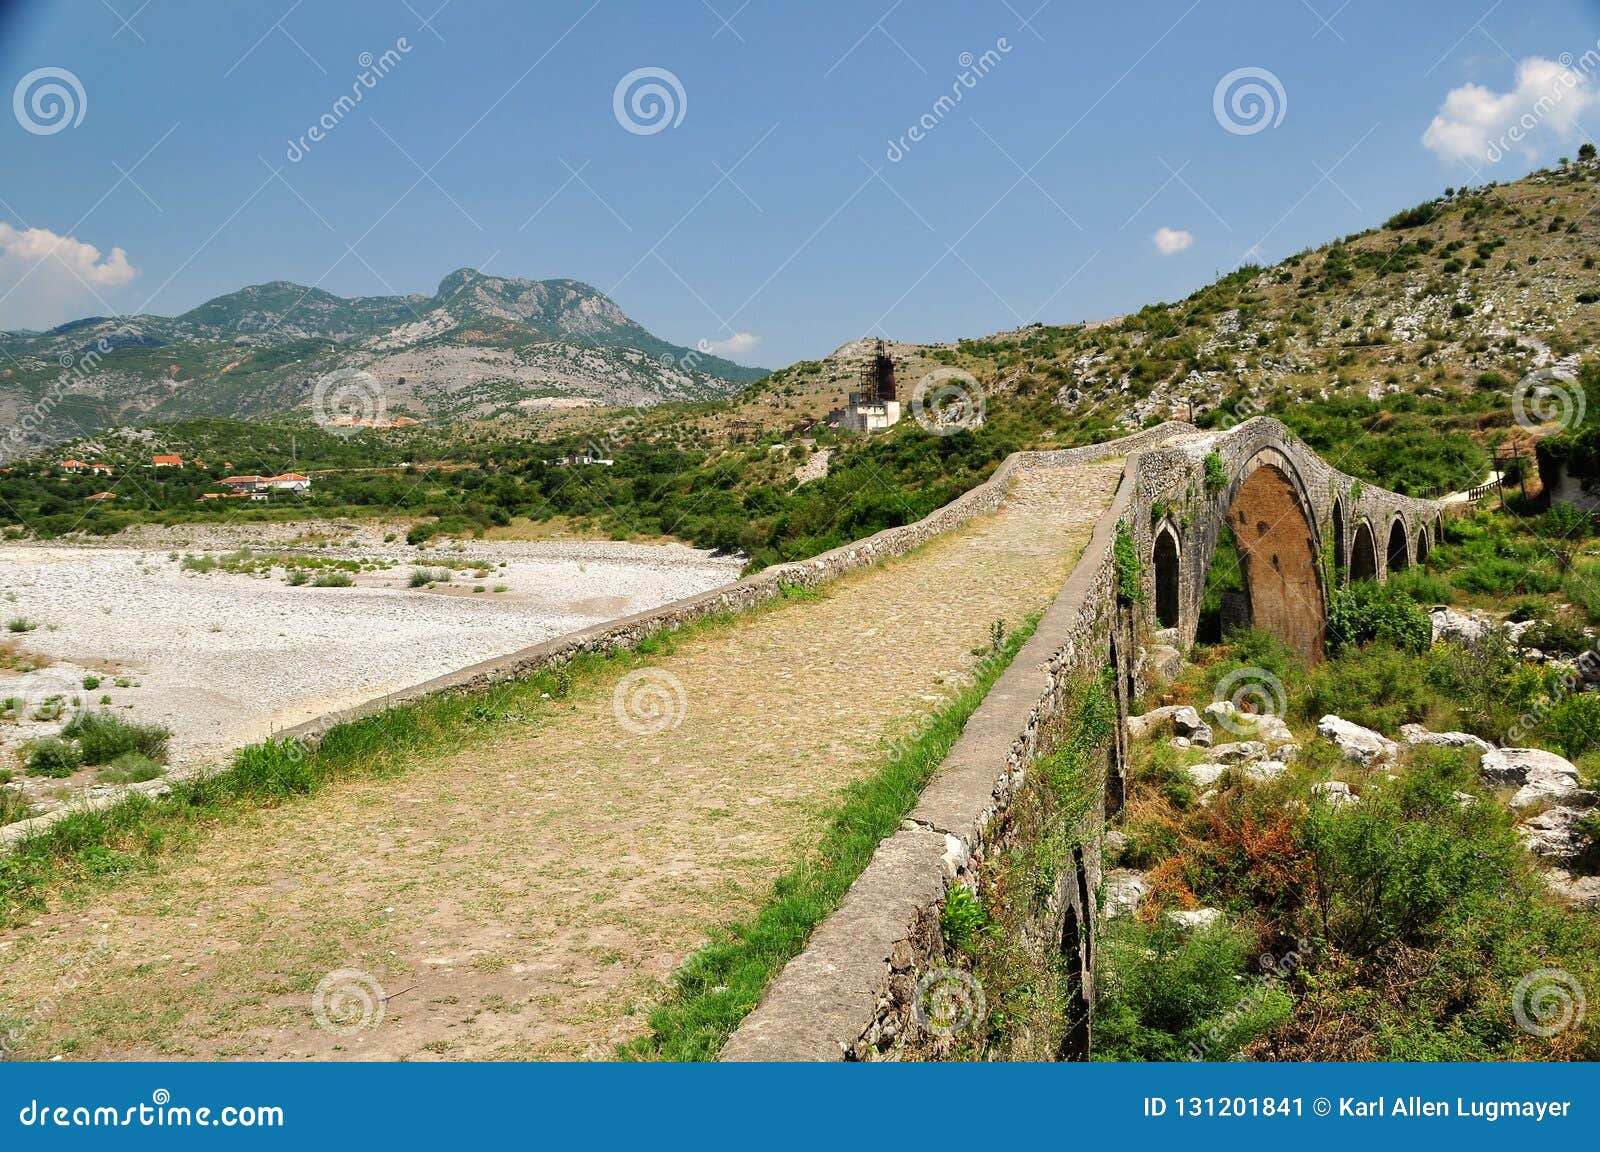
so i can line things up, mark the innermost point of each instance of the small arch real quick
(1166, 558)
(1363, 554)
(1341, 556)
(1399, 550)
(1424, 543)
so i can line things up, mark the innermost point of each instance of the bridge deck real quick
(527, 895)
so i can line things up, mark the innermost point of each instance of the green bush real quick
(103, 736)
(1367, 611)
(51, 756)
(129, 768)
(333, 580)
(962, 919)
(1378, 686)
(1167, 994)
(1422, 586)
(1572, 725)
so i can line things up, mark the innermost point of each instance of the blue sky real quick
(782, 207)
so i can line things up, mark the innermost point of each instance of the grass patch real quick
(104, 736)
(719, 985)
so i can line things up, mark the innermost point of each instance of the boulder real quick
(1273, 730)
(1264, 770)
(1416, 734)
(1577, 891)
(1201, 736)
(1192, 918)
(1179, 718)
(1354, 742)
(1554, 834)
(1113, 842)
(1238, 753)
(1125, 891)
(1179, 742)
(1539, 776)
(1220, 712)
(1205, 775)
(1453, 627)
(1166, 662)
(1336, 792)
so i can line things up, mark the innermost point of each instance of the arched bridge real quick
(1301, 527)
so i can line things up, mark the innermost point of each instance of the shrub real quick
(21, 624)
(1167, 994)
(1572, 726)
(1378, 686)
(103, 736)
(333, 580)
(1423, 587)
(90, 683)
(129, 768)
(51, 756)
(1216, 474)
(1565, 522)
(1126, 556)
(296, 577)
(1367, 611)
(420, 578)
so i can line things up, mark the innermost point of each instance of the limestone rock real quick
(1193, 918)
(1239, 753)
(1273, 730)
(1554, 834)
(1453, 627)
(1541, 776)
(1205, 775)
(1362, 745)
(1416, 734)
(1578, 891)
(1125, 891)
(1337, 793)
(1264, 770)
(1166, 662)
(1180, 718)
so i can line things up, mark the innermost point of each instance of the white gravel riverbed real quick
(224, 659)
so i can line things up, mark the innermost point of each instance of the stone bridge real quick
(1301, 527)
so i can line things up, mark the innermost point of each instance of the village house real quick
(166, 461)
(289, 482)
(98, 496)
(74, 466)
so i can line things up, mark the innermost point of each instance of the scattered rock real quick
(1465, 799)
(1125, 891)
(1201, 736)
(1205, 775)
(1354, 742)
(1337, 793)
(1178, 742)
(1416, 734)
(1456, 628)
(1273, 730)
(1113, 843)
(1264, 770)
(1541, 776)
(1237, 753)
(1180, 718)
(1554, 834)
(1166, 662)
(1193, 918)
(1578, 891)
(1220, 712)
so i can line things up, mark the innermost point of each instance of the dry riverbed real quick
(224, 658)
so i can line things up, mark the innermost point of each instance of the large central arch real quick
(1272, 524)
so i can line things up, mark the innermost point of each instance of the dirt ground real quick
(529, 895)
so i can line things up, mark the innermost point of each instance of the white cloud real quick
(1172, 240)
(1481, 125)
(740, 343)
(47, 279)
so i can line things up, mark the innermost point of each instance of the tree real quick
(1586, 152)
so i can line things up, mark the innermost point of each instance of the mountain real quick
(480, 346)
